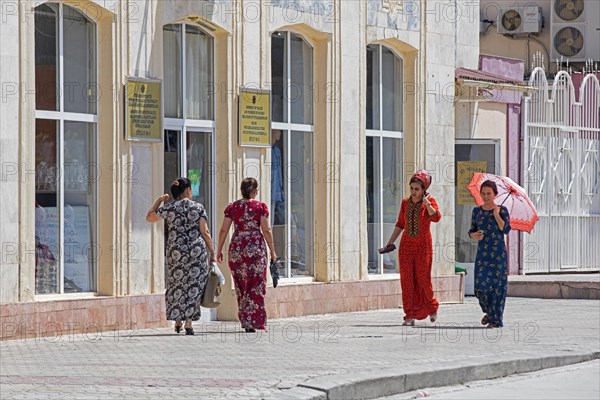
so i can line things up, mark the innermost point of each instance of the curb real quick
(374, 384)
(583, 290)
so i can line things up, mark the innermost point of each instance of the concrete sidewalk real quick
(351, 355)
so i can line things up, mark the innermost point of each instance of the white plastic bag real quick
(219, 274)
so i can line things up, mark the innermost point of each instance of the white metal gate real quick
(562, 174)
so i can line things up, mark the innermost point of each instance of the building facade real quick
(362, 95)
(558, 40)
(488, 126)
(563, 31)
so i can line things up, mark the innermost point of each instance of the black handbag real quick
(274, 272)
(387, 249)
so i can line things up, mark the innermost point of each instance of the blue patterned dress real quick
(491, 266)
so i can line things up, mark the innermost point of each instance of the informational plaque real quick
(255, 118)
(143, 110)
(465, 171)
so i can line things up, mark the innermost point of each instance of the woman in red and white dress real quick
(248, 253)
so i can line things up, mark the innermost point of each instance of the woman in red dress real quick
(248, 254)
(417, 212)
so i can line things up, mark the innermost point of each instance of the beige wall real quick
(14, 278)
(129, 45)
(448, 43)
(483, 120)
(491, 123)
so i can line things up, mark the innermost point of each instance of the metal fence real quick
(562, 173)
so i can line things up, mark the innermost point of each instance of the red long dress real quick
(248, 261)
(416, 257)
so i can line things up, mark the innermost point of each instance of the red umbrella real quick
(523, 214)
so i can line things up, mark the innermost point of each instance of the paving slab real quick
(373, 348)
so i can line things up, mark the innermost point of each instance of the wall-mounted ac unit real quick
(575, 30)
(527, 19)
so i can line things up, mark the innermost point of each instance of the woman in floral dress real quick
(417, 212)
(248, 254)
(189, 251)
(489, 224)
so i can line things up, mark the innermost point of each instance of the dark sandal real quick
(484, 320)
(189, 331)
(250, 330)
(178, 327)
(492, 325)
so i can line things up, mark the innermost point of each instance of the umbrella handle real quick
(502, 203)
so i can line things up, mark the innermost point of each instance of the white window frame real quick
(185, 124)
(61, 116)
(286, 128)
(381, 134)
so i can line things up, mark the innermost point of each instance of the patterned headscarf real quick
(424, 177)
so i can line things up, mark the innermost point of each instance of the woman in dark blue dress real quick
(489, 224)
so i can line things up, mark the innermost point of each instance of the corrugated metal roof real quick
(477, 75)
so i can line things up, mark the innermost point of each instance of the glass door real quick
(471, 155)
(191, 155)
(172, 158)
(199, 168)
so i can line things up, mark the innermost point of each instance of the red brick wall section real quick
(110, 316)
(323, 298)
(90, 317)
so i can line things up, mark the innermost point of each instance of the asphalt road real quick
(574, 382)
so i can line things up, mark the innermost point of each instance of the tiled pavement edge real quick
(375, 384)
(353, 355)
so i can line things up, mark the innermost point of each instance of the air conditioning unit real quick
(575, 30)
(527, 19)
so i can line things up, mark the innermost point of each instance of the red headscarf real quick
(424, 177)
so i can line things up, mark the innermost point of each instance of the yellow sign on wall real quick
(255, 118)
(143, 110)
(465, 170)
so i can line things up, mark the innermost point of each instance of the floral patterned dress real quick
(187, 258)
(416, 258)
(248, 261)
(491, 267)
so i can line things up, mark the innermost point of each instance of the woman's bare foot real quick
(409, 322)
(484, 320)
(492, 325)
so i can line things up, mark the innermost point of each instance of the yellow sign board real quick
(143, 111)
(465, 170)
(255, 118)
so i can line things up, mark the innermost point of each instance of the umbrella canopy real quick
(523, 214)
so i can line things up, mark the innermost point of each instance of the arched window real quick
(385, 149)
(188, 60)
(292, 190)
(65, 150)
